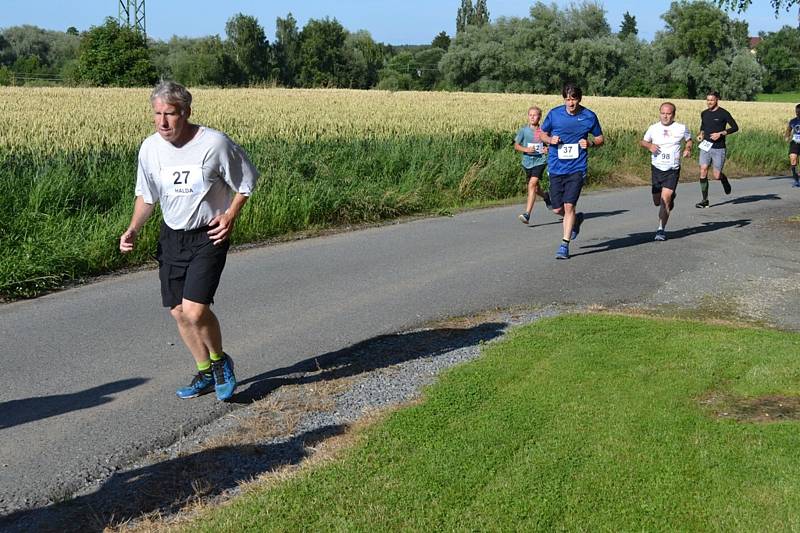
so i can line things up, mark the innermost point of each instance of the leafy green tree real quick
(72, 30)
(779, 54)
(322, 53)
(442, 40)
(248, 45)
(699, 49)
(287, 50)
(480, 14)
(466, 12)
(7, 54)
(363, 59)
(399, 73)
(628, 26)
(202, 61)
(111, 54)
(699, 30)
(742, 5)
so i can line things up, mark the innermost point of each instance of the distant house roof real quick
(753, 42)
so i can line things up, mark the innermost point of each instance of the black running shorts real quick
(664, 178)
(794, 148)
(190, 265)
(534, 172)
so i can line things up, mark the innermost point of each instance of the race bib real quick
(796, 138)
(706, 146)
(568, 151)
(182, 180)
(662, 157)
(537, 147)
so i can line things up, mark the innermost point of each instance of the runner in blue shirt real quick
(566, 129)
(793, 136)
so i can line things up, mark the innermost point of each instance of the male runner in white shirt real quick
(664, 139)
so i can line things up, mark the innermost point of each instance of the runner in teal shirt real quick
(534, 159)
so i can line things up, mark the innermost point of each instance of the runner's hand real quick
(126, 241)
(221, 228)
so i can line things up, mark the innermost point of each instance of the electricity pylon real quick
(131, 14)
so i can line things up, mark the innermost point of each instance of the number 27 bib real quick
(182, 180)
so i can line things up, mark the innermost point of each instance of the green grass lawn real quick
(793, 97)
(581, 422)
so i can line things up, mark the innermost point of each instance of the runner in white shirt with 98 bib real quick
(665, 140)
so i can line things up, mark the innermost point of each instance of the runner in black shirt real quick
(715, 124)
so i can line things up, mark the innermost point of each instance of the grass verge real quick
(62, 214)
(581, 422)
(792, 97)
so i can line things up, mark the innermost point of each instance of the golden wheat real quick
(48, 120)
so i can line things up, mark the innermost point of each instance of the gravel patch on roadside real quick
(274, 434)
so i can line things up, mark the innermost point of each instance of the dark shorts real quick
(566, 188)
(189, 265)
(664, 178)
(794, 148)
(534, 172)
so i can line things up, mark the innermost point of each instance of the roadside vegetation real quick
(789, 97)
(328, 157)
(568, 425)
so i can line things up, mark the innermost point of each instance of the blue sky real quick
(404, 22)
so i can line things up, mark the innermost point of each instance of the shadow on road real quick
(16, 412)
(586, 215)
(167, 486)
(378, 352)
(635, 239)
(602, 214)
(749, 199)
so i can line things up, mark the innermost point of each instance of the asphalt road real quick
(90, 373)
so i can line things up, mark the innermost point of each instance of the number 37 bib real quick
(569, 151)
(182, 180)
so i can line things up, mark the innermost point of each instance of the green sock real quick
(204, 367)
(216, 357)
(704, 188)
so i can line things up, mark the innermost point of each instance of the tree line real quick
(699, 48)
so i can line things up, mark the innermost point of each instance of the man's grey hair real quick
(172, 93)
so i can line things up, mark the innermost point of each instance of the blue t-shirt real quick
(570, 129)
(526, 136)
(794, 126)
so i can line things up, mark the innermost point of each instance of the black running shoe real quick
(702, 205)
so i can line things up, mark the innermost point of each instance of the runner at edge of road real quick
(663, 139)
(793, 136)
(566, 130)
(534, 160)
(715, 125)
(202, 179)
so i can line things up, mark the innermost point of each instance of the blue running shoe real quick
(796, 184)
(576, 228)
(563, 251)
(201, 384)
(224, 379)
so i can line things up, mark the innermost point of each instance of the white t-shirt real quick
(668, 139)
(195, 182)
